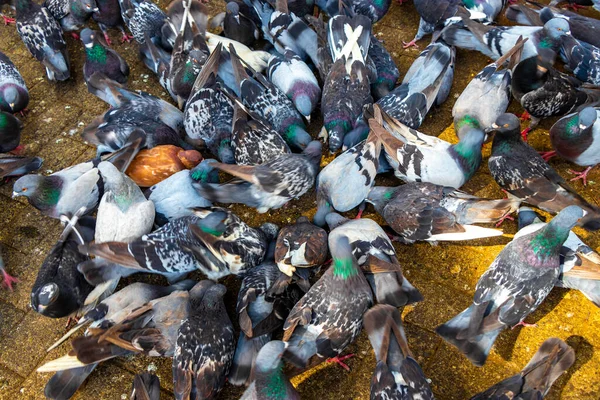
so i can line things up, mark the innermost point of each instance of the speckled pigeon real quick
(397, 374)
(301, 245)
(424, 211)
(109, 16)
(582, 59)
(99, 58)
(270, 185)
(43, 37)
(14, 95)
(142, 17)
(514, 285)
(387, 71)
(522, 172)
(71, 14)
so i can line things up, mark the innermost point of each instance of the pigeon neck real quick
(23, 5)
(273, 384)
(189, 72)
(48, 193)
(96, 53)
(468, 151)
(344, 268)
(548, 240)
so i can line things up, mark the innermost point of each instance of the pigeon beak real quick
(15, 194)
(96, 10)
(491, 129)
(12, 106)
(89, 45)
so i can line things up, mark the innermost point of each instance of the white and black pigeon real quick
(71, 14)
(43, 37)
(397, 374)
(514, 285)
(553, 358)
(267, 186)
(329, 316)
(416, 157)
(576, 138)
(375, 254)
(488, 95)
(346, 181)
(424, 211)
(582, 59)
(428, 79)
(143, 18)
(14, 95)
(579, 264)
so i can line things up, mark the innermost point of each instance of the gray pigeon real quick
(514, 285)
(142, 17)
(267, 186)
(14, 95)
(99, 58)
(64, 192)
(18, 165)
(71, 14)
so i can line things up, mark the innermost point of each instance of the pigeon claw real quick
(8, 280)
(75, 35)
(525, 325)
(340, 361)
(17, 151)
(412, 43)
(107, 39)
(524, 133)
(126, 38)
(581, 175)
(547, 155)
(501, 220)
(8, 20)
(525, 116)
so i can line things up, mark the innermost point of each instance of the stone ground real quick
(446, 274)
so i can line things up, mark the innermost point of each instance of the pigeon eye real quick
(506, 125)
(24, 190)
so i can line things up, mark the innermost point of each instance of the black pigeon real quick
(522, 172)
(60, 290)
(71, 14)
(346, 89)
(18, 165)
(101, 59)
(264, 302)
(43, 37)
(270, 185)
(146, 386)
(514, 285)
(553, 359)
(14, 95)
(434, 15)
(208, 114)
(205, 345)
(301, 245)
(329, 316)
(397, 374)
(109, 16)
(424, 211)
(10, 132)
(239, 26)
(142, 17)
(545, 92)
(215, 241)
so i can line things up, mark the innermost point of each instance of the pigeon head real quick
(270, 230)
(304, 104)
(213, 297)
(225, 152)
(270, 356)
(296, 136)
(233, 9)
(52, 302)
(356, 135)
(586, 118)
(11, 97)
(527, 217)
(87, 37)
(33, 186)
(314, 151)
(197, 57)
(334, 220)
(200, 288)
(205, 172)
(545, 60)
(88, 6)
(380, 196)
(567, 218)
(336, 135)
(111, 176)
(557, 27)
(507, 125)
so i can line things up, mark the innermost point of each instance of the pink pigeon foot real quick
(524, 133)
(525, 116)
(107, 39)
(75, 35)
(547, 155)
(581, 175)
(339, 360)
(412, 43)
(126, 38)
(501, 220)
(8, 280)
(8, 20)
(17, 151)
(23, 112)
(525, 325)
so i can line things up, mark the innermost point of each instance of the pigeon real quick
(346, 89)
(109, 16)
(522, 172)
(397, 374)
(294, 78)
(238, 26)
(410, 102)
(151, 166)
(424, 211)
(346, 181)
(64, 192)
(214, 240)
(175, 197)
(18, 165)
(146, 386)
(545, 92)
(576, 138)
(269, 382)
(161, 122)
(208, 114)
(514, 285)
(205, 346)
(60, 290)
(14, 95)
(387, 71)
(301, 245)
(553, 359)
(101, 59)
(416, 157)
(257, 60)
(109, 312)
(71, 14)
(267, 186)
(142, 17)
(7, 280)
(579, 264)
(375, 254)
(196, 18)
(261, 313)
(253, 140)
(491, 8)
(487, 96)
(495, 41)
(582, 59)
(266, 100)
(43, 37)
(329, 316)
(10, 132)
